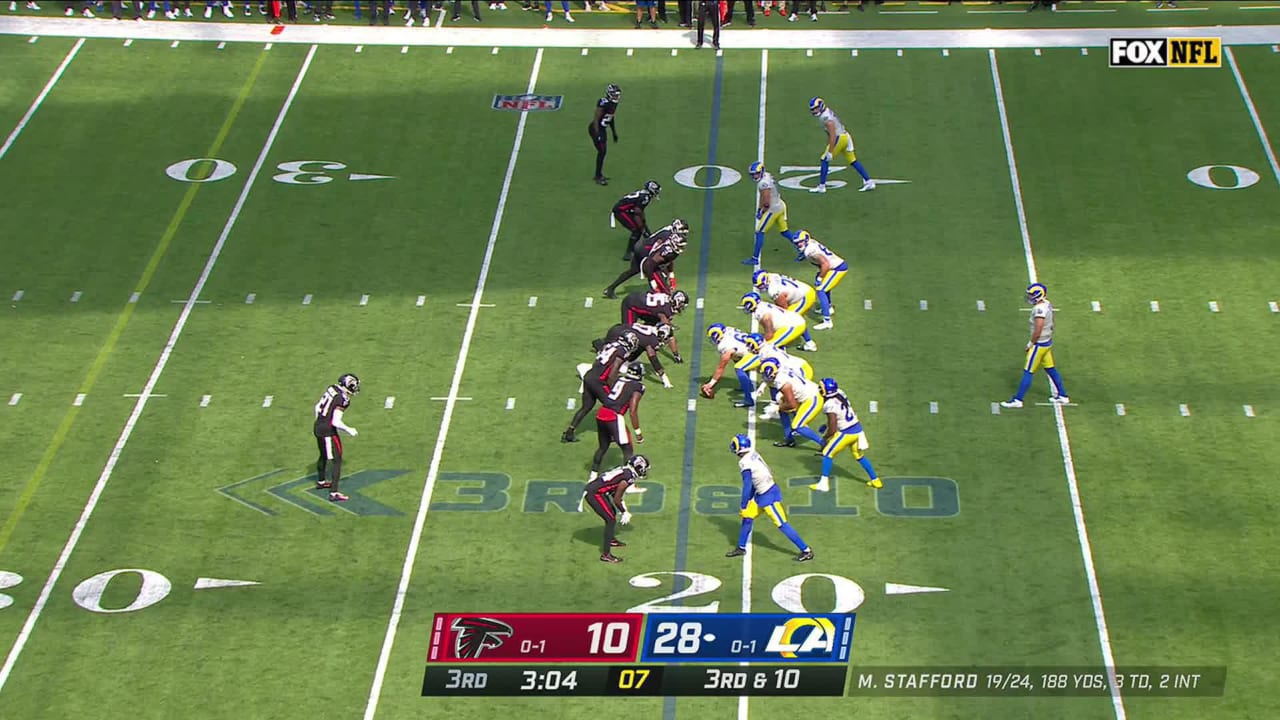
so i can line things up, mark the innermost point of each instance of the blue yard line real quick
(695, 358)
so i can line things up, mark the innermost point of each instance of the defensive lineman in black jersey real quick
(596, 376)
(611, 420)
(604, 120)
(604, 495)
(629, 212)
(329, 410)
(654, 308)
(651, 338)
(654, 257)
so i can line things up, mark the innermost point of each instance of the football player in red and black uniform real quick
(604, 119)
(328, 410)
(655, 257)
(611, 421)
(629, 211)
(651, 338)
(596, 378)
(654, 308)
(604, 495)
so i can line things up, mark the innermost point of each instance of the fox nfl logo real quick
(527, 103)
(1166, 52)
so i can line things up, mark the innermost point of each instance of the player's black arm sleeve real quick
(654, 362)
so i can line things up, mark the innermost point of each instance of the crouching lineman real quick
(611, 421)
(759, 492)
(843, 430)
(831, 270)
(763, 350)
(779, 325)
(654, 257)
(787, 293)
(596, 376)
(651, 338)
(655, 308)
(604, 495)
(731, 343)
(798, 402)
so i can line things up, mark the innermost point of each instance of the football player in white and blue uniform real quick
(798, 402)
(771, 211)
(731, 343)
(787, 293)
(843, 430)
(760, 492)
(831, 270)
(1039, 350)
(839, 145)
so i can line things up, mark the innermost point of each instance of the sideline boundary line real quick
(1064, 442)
(35, 104)
(1253, 114)
(451, 402)
(101, 486)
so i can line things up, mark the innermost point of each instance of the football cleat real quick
(350, 383)
(736, 552)
(1014, 404)
(324, 484)
(760, 280)
(829, 387)
(1036, 292)
(616, 543)
(1060, 400)
(769, 368)
(715, 332)
(613, 93)
(640, 464)
(809, 346)
(805, 556)
(679, 299)
(785, 443)
(653, 187)
(826, 324)
(816, 106)
(875, 484)
(750, 302)
(610, 558)
(568, 437)
(756, 170)
(336, 496)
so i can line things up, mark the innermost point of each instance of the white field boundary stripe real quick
(578, 38)
(1253, 114)
(744, 701)
(451, 402)
(35, 104)
(1064, 442)
(146, 394)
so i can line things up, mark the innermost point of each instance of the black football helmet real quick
(640, 464)
(613, 93)
(653, 187)
(633, 371)
(350, 383)
(679, 299)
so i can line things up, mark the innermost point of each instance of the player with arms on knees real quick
(798, 402)
(603, 120)
(605, 496)
(778, 325)
(655, 257)
(839, 146)
(759, 492)
(831, 270)
(611, 422)
(1039, 350)
(771, 211)
(596, 376)
(329, 409)
(787, 293)
(629, 212)
(843, 430)
(655, 308)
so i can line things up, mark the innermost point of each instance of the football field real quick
(199, 238)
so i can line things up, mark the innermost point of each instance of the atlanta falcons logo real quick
(475, 635)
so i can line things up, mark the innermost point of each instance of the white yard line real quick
(433, 471)
(1253, 114)
(1064, 442)
(146, 394)
(35, 104)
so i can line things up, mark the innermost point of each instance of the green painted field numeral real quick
(900, 497)
(564, 494)
(491, 491)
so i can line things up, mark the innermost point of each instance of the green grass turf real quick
(1103, 158)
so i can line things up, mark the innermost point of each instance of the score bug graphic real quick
(538, 637)
(741, 638)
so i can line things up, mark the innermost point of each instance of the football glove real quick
(666, 381)
(625, 519)
(826, 155)
(676, 357)
(352, 431)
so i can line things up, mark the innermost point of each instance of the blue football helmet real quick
(750, 302)
(769, 369)
(753, 341)
(756, 170)
(1036, 292)
(829, 387)
(740, 444)
(715, 332)
(816, 105)
(760, 280)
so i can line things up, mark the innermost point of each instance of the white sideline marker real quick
(1155, 306)
(33, 39)
(222, 45)
(995, 408)
(674, 52)
(982, 306)
(495, 51)
(570, 403)
(359, 48)
(1084, 51)
(1213, 306)
(1248, 411)
(866, 304)
(588, 302)
(924, 304)
(205, 400)
(448, 50)
(445, 398)
(1037, 52)
(80, 400)
(389, 403)
(75, 296)
(422, 300)
(854, 53)
(1184, 411)
(267, 46)
(174, 44)
(511, 403)
(18, 296)
(306, 299)
(15, 399)
(533, 301)
(899, 53)
(248, 299)
(946, 52)
(584, 52)
(1120, 409)
(933, 408)
(404, 49)
(873, 406)
(266, 401)
(693, 405)
(699, 303)
(808, 53)
(1275, 307)
(134, 298)
(1096, 306)
(364, 300)
(630, 52)
(128, 42)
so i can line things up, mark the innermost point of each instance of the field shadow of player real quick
(730, 525)
(591, 535)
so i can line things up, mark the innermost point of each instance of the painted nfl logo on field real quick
(525, 103)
